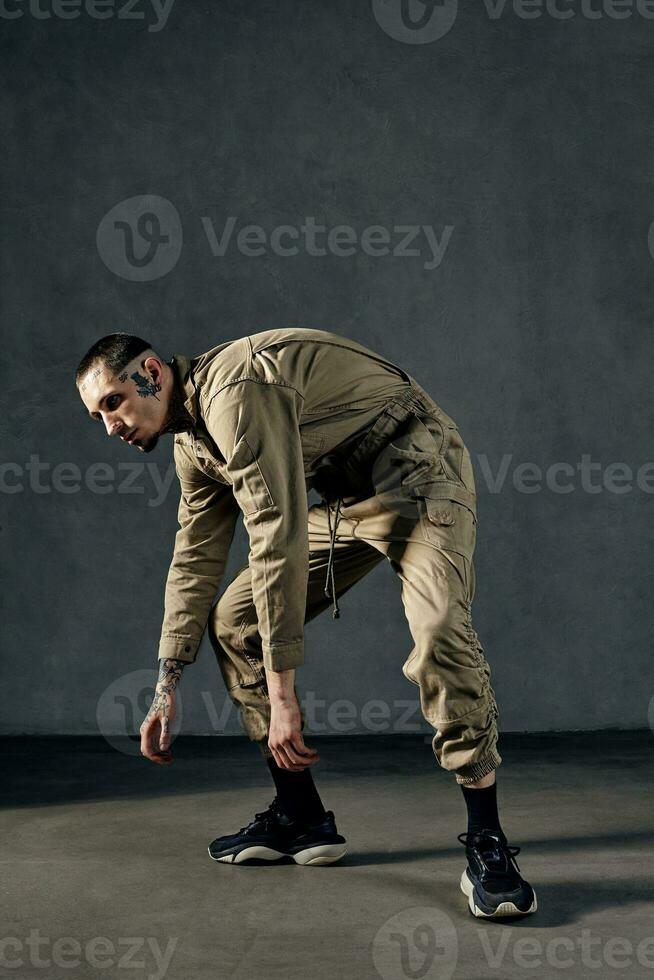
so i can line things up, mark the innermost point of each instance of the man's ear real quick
(153, 366)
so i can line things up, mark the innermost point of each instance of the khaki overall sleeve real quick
(256, 427)
(207, 516)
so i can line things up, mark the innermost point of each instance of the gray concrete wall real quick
(522, 143)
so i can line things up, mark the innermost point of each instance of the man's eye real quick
(113, 401)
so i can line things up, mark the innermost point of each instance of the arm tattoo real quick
(170, 672)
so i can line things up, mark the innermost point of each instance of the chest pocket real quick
(203, 456)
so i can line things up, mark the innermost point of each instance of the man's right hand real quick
(155, 730)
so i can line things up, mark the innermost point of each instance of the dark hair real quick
(114, 351)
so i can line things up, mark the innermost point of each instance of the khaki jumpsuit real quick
(275, 414)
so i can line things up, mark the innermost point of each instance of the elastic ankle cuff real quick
(470, 774)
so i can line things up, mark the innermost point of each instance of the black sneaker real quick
(492, 881)
(273, 835)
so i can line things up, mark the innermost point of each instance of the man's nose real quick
(113, 427)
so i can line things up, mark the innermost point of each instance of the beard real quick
(149, 444)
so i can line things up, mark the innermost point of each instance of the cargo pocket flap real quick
(443, 490)
(450, 525)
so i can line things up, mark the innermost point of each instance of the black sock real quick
(296, 793)
(482, 809)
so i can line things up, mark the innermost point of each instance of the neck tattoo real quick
(179, 419)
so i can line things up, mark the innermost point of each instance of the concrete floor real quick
(105, 872)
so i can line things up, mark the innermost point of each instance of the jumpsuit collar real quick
(182, 368)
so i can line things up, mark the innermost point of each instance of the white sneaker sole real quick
(504, 909)
(319, 854)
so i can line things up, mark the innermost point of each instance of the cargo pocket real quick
(236, 674)
(408, 459)
(448, 524)
(237, 667)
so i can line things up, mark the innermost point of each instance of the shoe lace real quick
(265, 817)
(498, 856)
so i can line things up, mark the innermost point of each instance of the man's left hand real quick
(285, 736)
